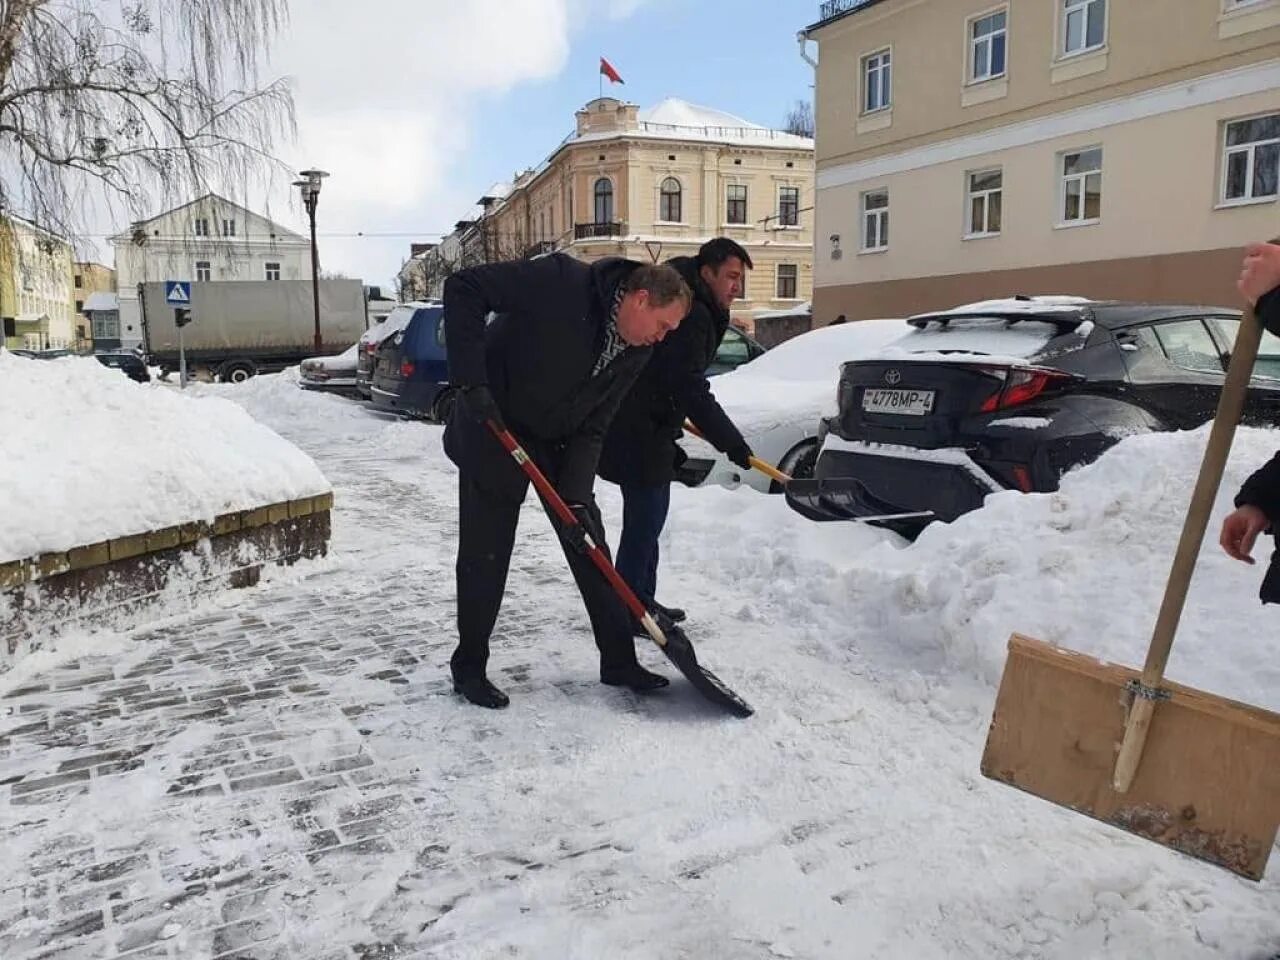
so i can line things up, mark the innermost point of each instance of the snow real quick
(848, 818)
(1022, 423)
(344, 361)
(675, 119)
(96, 456)
(949, 455)
(1044, 304)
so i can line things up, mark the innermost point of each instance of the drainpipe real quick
(802, 38)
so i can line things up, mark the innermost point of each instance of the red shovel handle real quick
(561, 509)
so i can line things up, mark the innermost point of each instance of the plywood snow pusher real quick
(669, 638)
(1187, 769)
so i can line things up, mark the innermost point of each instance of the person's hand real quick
(741, 455)
(576, 535)
(481, 405)
(1260, 273)
(1240, 531)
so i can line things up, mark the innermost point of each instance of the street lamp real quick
(310, 188)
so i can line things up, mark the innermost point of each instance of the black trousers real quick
(489, 503)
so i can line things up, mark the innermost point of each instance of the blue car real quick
(411, 374)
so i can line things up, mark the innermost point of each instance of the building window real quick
(986, 196)
(1084, 25)
(877, 82)
(202, 270)
(789, 206)
(79, 281)
(875, 220)
(228, 228)
(737, 208)
(202, 227)
(273, 271)
(987, 43)
(604, 200)
(79, 306)
(786, 283)
(669, 201)
(1251, 159)
(1082, 186)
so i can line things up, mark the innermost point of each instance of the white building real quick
(211, 238)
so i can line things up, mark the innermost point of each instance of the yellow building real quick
(36, 305)
(657, 183)
(974, 148)
(89, 278)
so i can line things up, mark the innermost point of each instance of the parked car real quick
(779, 399)
(336, 374)
(410, 376)
(735, 350)
(1009, 395)
(127, 362)
(366, 356)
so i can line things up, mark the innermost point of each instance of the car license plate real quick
(914, 403)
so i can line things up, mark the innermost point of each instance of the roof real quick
(280, 232)
(1111, 314)
(101, 300)
(676, 119)
(833, 10)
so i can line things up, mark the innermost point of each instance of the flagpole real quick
(600, 77)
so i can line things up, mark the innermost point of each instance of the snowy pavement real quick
(283, 772)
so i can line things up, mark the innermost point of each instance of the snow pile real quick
(1084, 567)
(97, 456)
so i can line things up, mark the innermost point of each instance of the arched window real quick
(604, 200)
(669, 206)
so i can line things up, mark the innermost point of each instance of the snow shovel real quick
(1185, 768)
(770, 471)
(669, 638)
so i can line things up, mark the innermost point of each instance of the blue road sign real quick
(177, 292)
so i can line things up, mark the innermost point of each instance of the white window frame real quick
(884, 69)
(970, 195)
(1065, 9)
(881, 216)
(228, 226)
(270, 267)
(1063, 178)
(971, 75)
(204, 267)
(788, 226)
(1251, 150)
(202, 226)
(777, 281)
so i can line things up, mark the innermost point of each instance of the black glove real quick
(481, 405)
(741, 455)
(587, 525)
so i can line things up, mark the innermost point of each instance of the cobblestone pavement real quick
(285, 773)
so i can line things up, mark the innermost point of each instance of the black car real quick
(411, 373)
(126, 362)
(735, 349)
(1010, 394)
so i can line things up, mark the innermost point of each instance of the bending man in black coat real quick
(568, 341)
(1258, 502)
(640, 453)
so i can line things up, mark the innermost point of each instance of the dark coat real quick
(1262, 490)
(641, 445)
(537, 357)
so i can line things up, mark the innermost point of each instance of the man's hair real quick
(715, 252)
(663, 284)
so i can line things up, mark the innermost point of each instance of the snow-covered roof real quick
(676, 119)
(798, 310)
(101, 300)
(1030, 305)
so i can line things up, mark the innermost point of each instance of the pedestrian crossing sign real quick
(177, 292)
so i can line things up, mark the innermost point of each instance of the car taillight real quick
(1022, 384)
(1022, 477)
(844, 395)
(406, 368)
(371, 348)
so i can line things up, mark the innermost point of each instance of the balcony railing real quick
(833, 8)
(539, 248)
(590, 231)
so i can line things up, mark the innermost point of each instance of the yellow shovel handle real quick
(770, 471)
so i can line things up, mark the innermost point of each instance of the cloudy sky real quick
(416, 106)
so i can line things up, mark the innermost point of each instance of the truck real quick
(238, 328)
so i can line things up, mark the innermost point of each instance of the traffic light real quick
(181, 316)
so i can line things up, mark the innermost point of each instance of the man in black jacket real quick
(640, 453)
(567, 341)
(1258, 502)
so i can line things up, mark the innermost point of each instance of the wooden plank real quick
(122, 548)
(1209, 782)
(192, 532)
(13, 573)
(301, 508)
(93, 555)
(253, 518)
(323, 502)
(51, 564)
(277, 513)
(165, 539)
(226, 523)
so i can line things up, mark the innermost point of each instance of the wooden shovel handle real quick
(768, 469)
(1230, 407)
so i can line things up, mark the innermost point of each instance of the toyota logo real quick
(892, 376)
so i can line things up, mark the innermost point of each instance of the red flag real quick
(607, 69)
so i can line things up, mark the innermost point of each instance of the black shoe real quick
(635, 677)
(481, 692)
(674, 614)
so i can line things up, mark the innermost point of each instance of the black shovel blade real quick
(680, 652)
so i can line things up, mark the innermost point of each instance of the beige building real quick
(655, 184)
(36, 305)
(969, 149)
(87, 279)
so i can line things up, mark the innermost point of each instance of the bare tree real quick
(106, 104)
(800, 119)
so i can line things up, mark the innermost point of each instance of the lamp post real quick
(310, 188)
